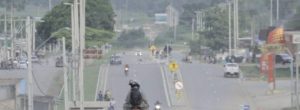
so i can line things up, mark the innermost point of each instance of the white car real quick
(231, 69)
(35, 59)
(23, 64)
(138, 53)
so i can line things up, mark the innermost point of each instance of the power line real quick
(38, 86)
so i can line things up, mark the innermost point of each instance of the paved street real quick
(207, 89)
(147, 73)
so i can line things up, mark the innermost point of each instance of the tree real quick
(293, 24)
(216, 32)
(132, 38)
(99, 15)
(94, 37)
(18, 4)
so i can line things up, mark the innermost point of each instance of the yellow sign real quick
(173, 66)
(275, 48)
(152, 48)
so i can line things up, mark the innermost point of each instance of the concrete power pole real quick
(5, 34)
(73, 51)
(236, 25)
(277, 11)
(11, 31)
(29, 55)
(66, 87)
(82, 46)
(50, 5)
(33, 35)
(76, 28)
(193, 28)
(271, 12)
(73, 48)
(229, 31)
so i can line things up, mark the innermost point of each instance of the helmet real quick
(134, 84)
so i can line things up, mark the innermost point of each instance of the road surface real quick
(147, 73)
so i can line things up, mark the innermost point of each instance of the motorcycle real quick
(157, 106)
(135, 100)
(126, 70)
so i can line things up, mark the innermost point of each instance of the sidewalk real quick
(264, 100)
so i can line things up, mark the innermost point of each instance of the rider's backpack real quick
(135, 97)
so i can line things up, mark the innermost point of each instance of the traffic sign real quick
(173, 66)
(179, 85)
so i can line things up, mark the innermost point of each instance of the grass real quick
(91, 72)
(252, 71)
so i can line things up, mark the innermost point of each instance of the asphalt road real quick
(147, 73)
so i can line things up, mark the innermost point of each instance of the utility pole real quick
(76, 48)
(66, 87)
(234, 27)
(50, 5)
(237, 24)
(73, 48)
(11, 31)
(229, 31)
(277, 11)
(271, 12)
(297, 79)
(73, 51)
(29, 55)
(5, 34)
(175, 28)
(126, 13)
(193, 29)
(33, 35)
(82, 45)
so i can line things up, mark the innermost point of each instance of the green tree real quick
(17, 4)
(216, 32)
(293, 24)
(132, 38)
(99, 15)
(94, 37)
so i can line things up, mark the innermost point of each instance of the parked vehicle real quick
(283, 58)
(59, 62)
(115, 60)
(231, 69)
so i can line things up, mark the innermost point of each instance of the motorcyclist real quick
(135, 99)
(126, 69)
(157, 105)
(107, 95)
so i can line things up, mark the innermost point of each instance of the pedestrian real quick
(100, 96)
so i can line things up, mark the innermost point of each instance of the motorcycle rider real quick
(135, 99)
(126, 69)
(107, 96)
(157, 105)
